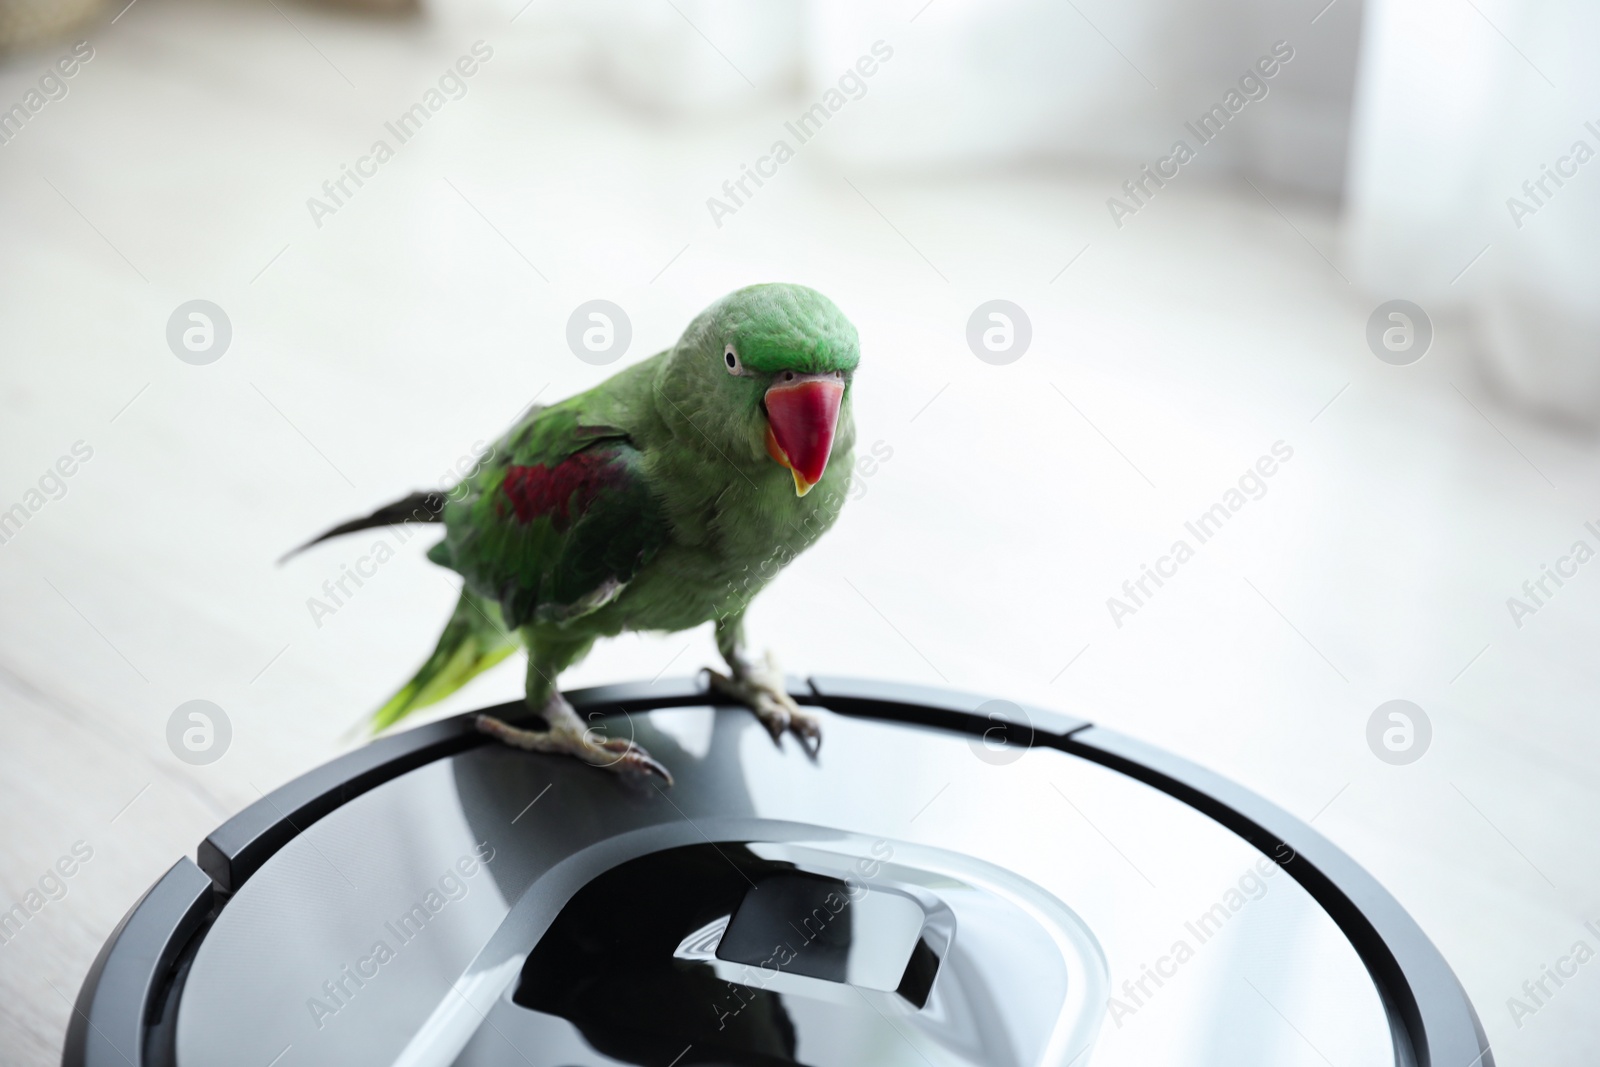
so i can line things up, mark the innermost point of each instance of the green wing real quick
(557, 522)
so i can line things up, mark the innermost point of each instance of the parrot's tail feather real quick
(418, 507)
(474, 640)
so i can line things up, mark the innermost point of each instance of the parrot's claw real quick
(568, 736)
(761, 689)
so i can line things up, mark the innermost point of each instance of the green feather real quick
(474, 640)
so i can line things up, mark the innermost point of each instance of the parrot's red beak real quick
(801, 415)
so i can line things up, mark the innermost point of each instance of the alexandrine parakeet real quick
(665, 497)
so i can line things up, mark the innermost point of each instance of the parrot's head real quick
(769, 369)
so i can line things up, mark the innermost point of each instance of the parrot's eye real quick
(730, 359)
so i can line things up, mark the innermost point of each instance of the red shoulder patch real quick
(559, 492)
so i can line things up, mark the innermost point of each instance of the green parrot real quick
(665, 497)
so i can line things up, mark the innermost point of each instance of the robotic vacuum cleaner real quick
(952, 881)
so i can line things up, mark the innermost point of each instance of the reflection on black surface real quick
(917, 982)
(787, 907)
(607, 965)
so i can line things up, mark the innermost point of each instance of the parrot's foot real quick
(760, 688)
(568, 736)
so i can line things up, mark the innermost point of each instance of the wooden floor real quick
(373, 353)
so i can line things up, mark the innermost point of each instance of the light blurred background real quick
(379, 341)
